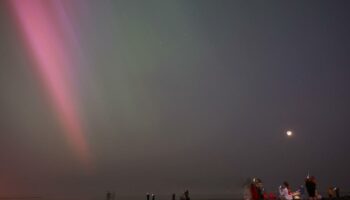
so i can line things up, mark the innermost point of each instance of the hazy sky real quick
(159, 96)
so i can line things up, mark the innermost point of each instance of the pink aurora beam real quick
(43, 27)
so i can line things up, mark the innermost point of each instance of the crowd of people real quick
(308, 191)
(184, 196)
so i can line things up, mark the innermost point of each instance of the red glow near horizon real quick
(41, 26)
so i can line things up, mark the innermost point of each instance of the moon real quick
(289, 133)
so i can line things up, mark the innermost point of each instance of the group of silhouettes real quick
(184, 196)
(255, 191)
(110, 195)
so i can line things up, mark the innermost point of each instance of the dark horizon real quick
(162, 96)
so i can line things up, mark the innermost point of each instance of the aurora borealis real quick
(46, 29)
(160, 96)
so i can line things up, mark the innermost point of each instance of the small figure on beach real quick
(153, 197)
(147, 196)
(246, 191)
(253, 190)
(108, 195)
(302, 192)
(337, 192)
(285, 192)
(256, 189)
(331, 192)
(173, 196)
(185, 195)
(310, 184)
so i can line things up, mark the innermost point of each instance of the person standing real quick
(337, 192)
(285, 192)
(330, 192)
(247, 191)
(187, 195)
(302, 192)
(310, 184)
(108, 195)
(256, 189)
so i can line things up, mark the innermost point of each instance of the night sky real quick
(160, 96)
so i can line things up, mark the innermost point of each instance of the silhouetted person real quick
(108, 195)
(147, 196)
(153, 197)
(260, 187)
(330, 192)
(182, 197)
(337, 192)
(173, 197)
(302, 192)
(187, 195)
(310, 184)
